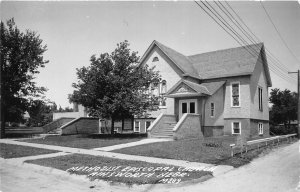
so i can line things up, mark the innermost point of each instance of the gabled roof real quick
(180, 60)
(231, 62)
(194, 89)
(227, 62)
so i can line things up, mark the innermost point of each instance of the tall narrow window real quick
(260, 105)
(155, 89)
(212, 109)
(236, 127)
(163, 87)
(260, 129)
(163, 90)
(235, 94)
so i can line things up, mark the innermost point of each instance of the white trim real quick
(188, 101)
(260, 131)
(236, 82)
(146, 124)
(232, 132)
(212, 116)
(139, 126)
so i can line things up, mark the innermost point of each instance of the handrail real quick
(181, 120)
(155, 122)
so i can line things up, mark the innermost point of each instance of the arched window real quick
(163, 86)
(155, 59)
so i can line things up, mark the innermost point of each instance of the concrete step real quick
(161, 136)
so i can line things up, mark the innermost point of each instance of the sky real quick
(74, 31)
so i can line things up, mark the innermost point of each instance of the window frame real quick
(134, 130)
(260, 98)
(163, 89)
(260, 129)
(212, 109)
(231, 96)
(232, 127)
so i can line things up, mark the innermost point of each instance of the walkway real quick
(217, 170)
(277, 171)
(131, 144)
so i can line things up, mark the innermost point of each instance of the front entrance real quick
(187, 106)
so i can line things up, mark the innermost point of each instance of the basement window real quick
(236, 127)
(260, 129)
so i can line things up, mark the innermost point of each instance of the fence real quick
(261, 142)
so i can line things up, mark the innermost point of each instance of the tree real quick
(115, 86)
(284, 108)
(40, 113)
(21, 55)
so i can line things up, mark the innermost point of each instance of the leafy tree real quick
(115, 86)
(21, 54)
(40, 113)
(284, 108)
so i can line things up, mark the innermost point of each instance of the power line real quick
(278, 32)
(257, 39)
(219, 17)
(237, 36)
(276, 62)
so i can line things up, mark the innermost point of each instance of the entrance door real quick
(187, 106)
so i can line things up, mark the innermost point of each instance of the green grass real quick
(79, 141)
(13, 151)
(78, 160)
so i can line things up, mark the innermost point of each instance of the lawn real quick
(80, 141)
(189, 149)
(117, 170)
(13, 151)
(210, 150)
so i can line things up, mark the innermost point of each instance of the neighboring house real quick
(217, 93)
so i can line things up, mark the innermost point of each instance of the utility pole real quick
(298, 103)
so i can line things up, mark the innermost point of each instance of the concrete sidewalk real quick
(131, 144)
(217, 170)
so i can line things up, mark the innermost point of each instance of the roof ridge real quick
(227, 49)
(165, 48)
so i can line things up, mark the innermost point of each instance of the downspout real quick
(203, 114)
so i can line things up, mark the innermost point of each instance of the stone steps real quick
(164, 132)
